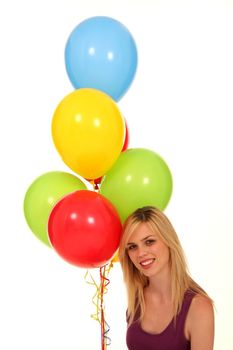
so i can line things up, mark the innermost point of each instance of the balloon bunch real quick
(91, 136)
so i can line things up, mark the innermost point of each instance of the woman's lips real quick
(146, 264)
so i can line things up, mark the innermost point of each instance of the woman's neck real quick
(160, 286)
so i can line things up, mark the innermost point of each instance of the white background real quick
(179, 105)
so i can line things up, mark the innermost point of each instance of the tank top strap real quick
(181, 318)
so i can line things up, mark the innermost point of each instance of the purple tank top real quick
(171, 338)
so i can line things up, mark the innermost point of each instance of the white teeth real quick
(144, 263)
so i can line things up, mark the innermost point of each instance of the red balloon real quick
(126, 143)
(84, 228)
(97, 181)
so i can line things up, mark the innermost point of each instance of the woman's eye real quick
(150, 241)
(131, 247)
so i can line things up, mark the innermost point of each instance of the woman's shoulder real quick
(200, 304)
(198, 301)
(200, 318)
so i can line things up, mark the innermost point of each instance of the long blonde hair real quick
(135, 281)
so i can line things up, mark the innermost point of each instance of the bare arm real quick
(201, 324)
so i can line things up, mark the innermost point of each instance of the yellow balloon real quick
(88, 131)
(115, 258)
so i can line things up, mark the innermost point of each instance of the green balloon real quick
(139, 177)
(43, 194)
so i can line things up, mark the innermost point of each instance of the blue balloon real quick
(101, 53)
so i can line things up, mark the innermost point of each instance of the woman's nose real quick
(142, 252)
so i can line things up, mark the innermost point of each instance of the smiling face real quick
(147, 251)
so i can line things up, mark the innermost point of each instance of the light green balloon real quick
(139, 177)
(43, 194)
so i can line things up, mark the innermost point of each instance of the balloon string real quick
(95, 298)
(104, 282)
(98, 301)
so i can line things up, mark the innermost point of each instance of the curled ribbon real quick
(98, 301)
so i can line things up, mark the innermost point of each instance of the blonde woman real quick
(167, 309)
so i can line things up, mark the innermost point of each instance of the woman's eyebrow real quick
(144, 239)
